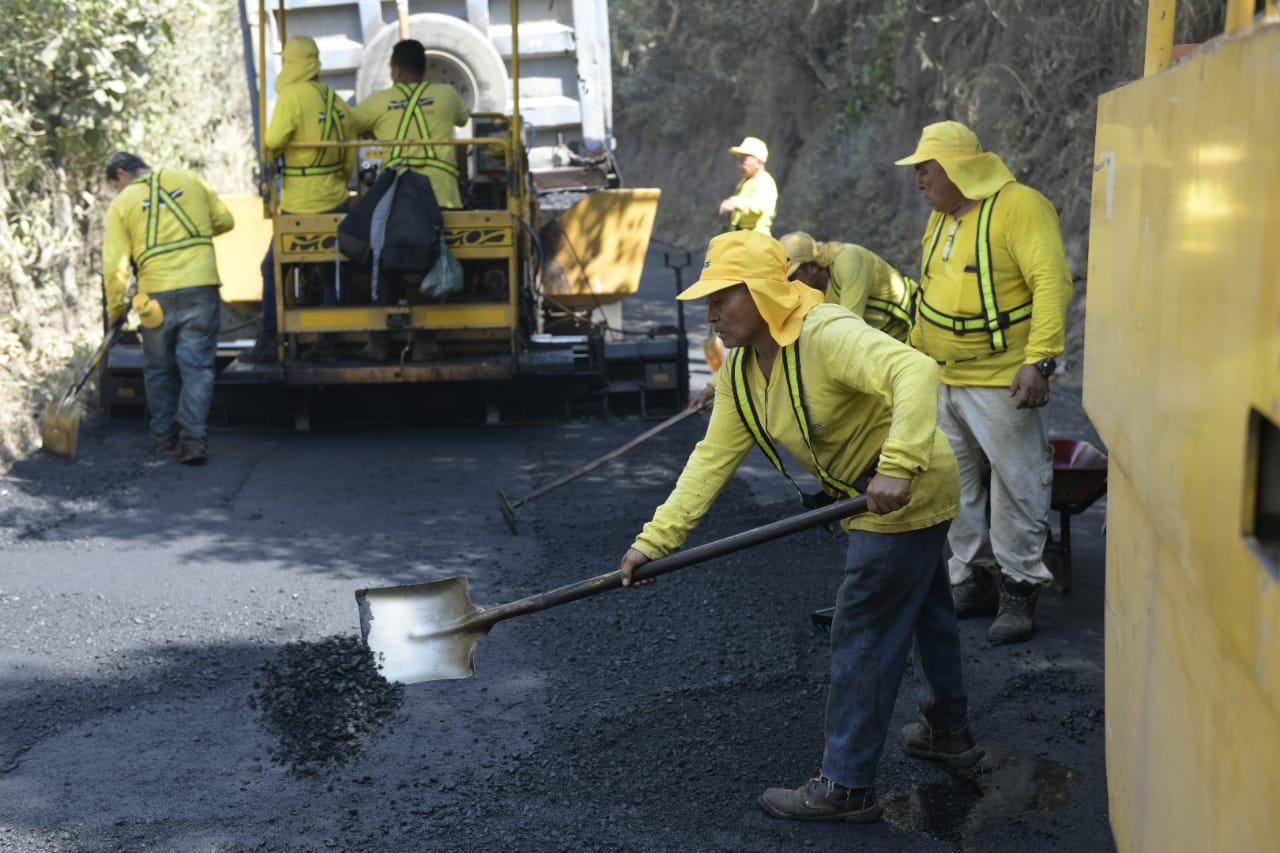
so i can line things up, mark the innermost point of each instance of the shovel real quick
(509, 507)
(60, 424)
(429, 631)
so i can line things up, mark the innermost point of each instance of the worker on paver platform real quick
(161, 224)
(859, 409)
(994, 291)
(414, 108)
(855, 277)
(755, 198)
(312, 180)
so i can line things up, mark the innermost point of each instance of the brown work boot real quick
(165, 445)
(975, 595)
(822, 799)
(324, 350)
(192, 450)
(953, 747)
(266, 349)
(378, 349)
(1014, 623)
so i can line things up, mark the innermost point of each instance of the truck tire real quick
(457, 54)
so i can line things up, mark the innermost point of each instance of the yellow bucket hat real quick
(299, 62)
(801, 248)
(976, 173)
(752, 146)
(757, 260)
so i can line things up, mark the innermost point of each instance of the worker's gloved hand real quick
(150, 314)
(631, 561)
(887, 494)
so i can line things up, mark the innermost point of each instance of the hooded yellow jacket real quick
(865, 394)
(858, 273)
(382, 113)
(756, 201)
(177, 258)
(300, 116)
(1029, 264)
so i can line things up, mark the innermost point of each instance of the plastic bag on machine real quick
(445, 277)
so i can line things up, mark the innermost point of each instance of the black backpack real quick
(394, 227)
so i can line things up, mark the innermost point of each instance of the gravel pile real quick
(321, 700)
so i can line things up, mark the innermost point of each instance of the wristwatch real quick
(1047, 367)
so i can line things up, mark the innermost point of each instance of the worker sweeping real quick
(161, 224)
(855, 277)
(859, 410)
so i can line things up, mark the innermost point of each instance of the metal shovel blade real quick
(60, 429)
(420, 632)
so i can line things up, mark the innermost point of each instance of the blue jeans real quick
(326, 271)
(895, 593)
(180, 361)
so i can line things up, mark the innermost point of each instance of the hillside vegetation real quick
(838, 90)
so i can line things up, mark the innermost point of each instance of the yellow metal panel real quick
(478, 316)
(1183, 331)
(595, 250)
(240, 251)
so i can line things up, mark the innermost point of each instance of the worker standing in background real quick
(161, 224)
(994, 291)
(860, 414)
(416, 109)
(313, 180)
(855, 277)
(755, 199)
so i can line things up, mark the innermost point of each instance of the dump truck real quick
(549, 241)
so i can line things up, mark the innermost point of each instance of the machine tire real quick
(467, 58)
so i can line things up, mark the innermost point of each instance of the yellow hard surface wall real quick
(1182, 342)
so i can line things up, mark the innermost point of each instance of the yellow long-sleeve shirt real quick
(126, 237)
(865, 394)
(755, 203)
(442, 109)
(856, 274)
(1028, 262)
(299, 116)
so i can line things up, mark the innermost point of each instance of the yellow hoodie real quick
(865, 394)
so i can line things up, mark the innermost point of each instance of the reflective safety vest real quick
(904, 311)
(993, 320)
(747, 411)
(333, 131)
(160, 198)
(414, 120)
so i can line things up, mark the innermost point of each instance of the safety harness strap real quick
(746, 410)
(158, 197)
(332, 129)
(413, 119)
(993, 320)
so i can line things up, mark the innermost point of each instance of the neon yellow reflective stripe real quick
(791, 361)
(157, 198)
(747, 411)
(413, 118)
(993, 320)
(895, 311)
(933, 244)
(332, 130)
(986, 278)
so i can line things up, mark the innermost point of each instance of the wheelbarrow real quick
(1079, 479)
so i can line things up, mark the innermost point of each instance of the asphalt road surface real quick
(180, 665)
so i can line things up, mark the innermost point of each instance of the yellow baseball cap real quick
(976, 173)
(752, 147)
(757, 260)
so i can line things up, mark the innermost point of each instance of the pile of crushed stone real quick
(321, 700)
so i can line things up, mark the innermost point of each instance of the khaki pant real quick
(983, 423)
